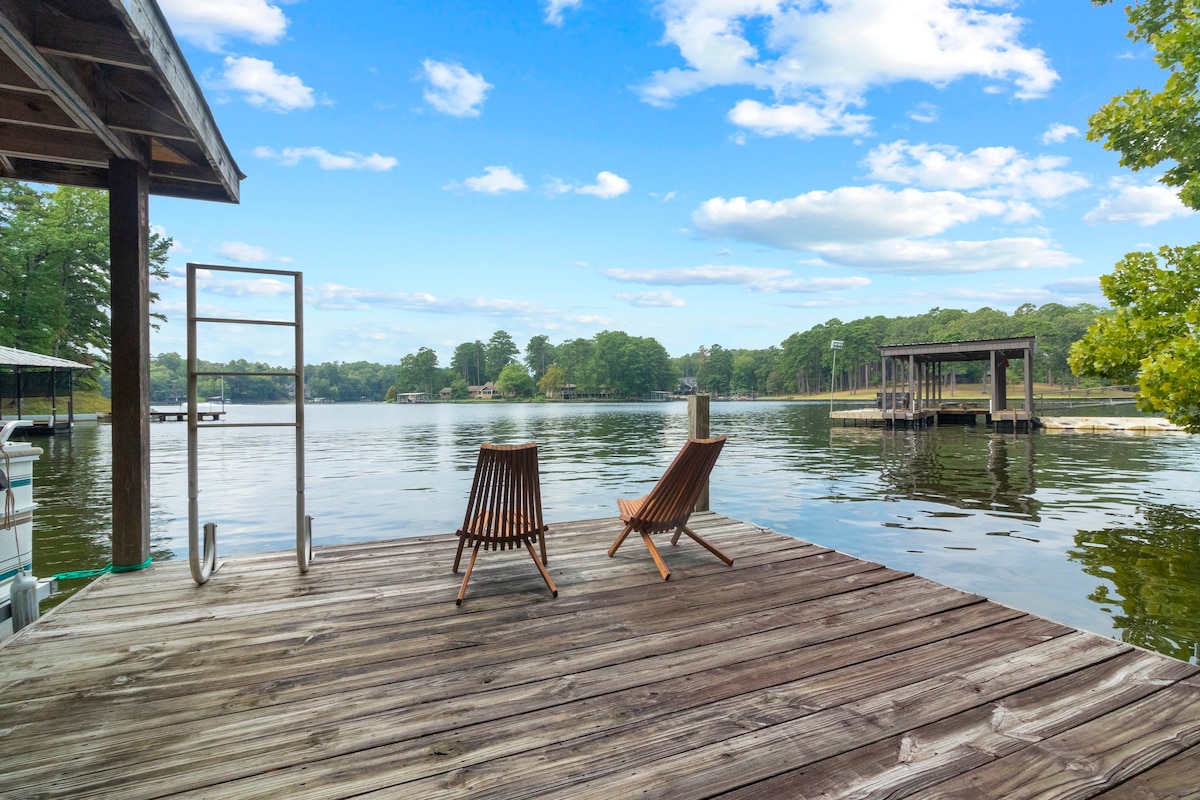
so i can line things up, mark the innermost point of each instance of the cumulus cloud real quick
(818, 59)
(802, 119)
(454, 91)
(663, 299)
(761, 279)
(933, 257)
(1058, 133)
(249, 253)
(1144, 205)
(494, 180)
(555, 8)
(990, 171)
(877, 229)
(210, 23)
(607, 186)
(291, 156)
(266, 87)
(846, 214)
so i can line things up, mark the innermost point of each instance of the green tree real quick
(515, 381)
(459, 389)
(1151, 334)
(1148, 128)
(539, 354)
(54, 270)
(552, 382)
(469, 361)
(501, 351)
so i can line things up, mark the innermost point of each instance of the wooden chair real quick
(671, 501)
(505, 508)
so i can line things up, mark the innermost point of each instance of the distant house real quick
(445, 393)
(485, 392)
(567, 391)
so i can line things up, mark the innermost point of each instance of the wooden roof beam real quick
(68, 147)
(58, 77)
(86, 41)
(177, 79)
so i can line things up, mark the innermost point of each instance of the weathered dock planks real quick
(798, 672)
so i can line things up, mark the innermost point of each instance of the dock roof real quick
(12, 357)
(86, 81)
(973, 350)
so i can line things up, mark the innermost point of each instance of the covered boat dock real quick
(913, 382)
(25, 375)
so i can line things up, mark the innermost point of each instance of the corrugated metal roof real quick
(12, 357)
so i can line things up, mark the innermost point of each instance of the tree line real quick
(617, 365)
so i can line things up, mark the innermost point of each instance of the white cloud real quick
(209, 23)
(801, 119)
(554, 9)
(1058, 133)
(266, 87)
(932, 257)
(761, 279)
(494, 180)
(990, 171)
(454, 91)
(249, 253)
(847, 214)
(1145, 205)
(827, 55)
(291, 156)
(923, 112)
(876, 229)
(608, 185)
(708, 275)
(663, 299)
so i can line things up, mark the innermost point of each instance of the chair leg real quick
(620, 540)
(545, 561)
(662, 566)
(462, 540)
(470, 566)
(703, 543)
(542, 569)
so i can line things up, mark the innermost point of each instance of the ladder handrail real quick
(202, 557)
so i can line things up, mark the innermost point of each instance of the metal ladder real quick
(203, 557)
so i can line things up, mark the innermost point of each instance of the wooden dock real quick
(799, 672)
(181, 416)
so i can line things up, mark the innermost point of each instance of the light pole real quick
(835, 345)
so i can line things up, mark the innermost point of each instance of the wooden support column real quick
(698, 429)
(129, 254)
(1029, 385)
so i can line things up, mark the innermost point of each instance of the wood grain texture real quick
(798, 672)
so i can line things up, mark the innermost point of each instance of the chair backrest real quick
(672, 499)
(505, 506)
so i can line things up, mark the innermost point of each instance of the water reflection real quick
(995, 514)
(1151, 576)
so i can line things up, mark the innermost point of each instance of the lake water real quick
(1098, 531)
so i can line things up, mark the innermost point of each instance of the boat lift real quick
(203, 556)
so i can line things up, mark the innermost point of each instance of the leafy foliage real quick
(54, 271)
(1147, 128)
(1151, 335)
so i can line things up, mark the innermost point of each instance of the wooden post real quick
(129, 226)
(1029, 385)
(698, 429)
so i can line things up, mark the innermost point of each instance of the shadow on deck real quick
(798, 672)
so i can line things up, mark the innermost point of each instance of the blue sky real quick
(698, 171)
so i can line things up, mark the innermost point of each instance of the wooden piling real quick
(698, 429)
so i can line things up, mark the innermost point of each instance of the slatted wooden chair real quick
(669, 504)
(505, 508)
